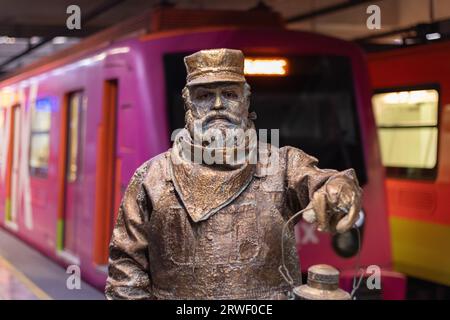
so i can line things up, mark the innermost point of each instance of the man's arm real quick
(128, 271)
(335, 196)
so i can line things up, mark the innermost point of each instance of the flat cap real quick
(215, 65)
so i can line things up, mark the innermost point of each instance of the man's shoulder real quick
(296, 154)
(156, 164)
(158, 160)
(285, 153)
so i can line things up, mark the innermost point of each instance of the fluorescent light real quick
(7, 40)
(433, 36)
(59, 40)
(35, 40)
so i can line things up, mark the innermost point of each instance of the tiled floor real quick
(13, 285)
(27, 275)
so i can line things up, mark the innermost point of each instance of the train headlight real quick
(346, 244)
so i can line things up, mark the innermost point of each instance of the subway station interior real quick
(92, 90)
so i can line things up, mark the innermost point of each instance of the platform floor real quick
(25, 274)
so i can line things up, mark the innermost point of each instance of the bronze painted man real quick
(194, 227)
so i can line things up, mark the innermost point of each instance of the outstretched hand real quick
(335, 206)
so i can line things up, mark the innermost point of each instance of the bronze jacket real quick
(158, 252)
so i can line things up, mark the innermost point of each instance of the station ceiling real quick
(33, 29)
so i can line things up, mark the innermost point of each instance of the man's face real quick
(220, 105)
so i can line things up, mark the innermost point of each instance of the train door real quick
(13, 169)
(71, 174)
(107, 174)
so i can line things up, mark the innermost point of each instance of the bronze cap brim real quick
(212, 77)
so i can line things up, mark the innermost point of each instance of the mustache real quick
(221, 115)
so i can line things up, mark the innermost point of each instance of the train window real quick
(40, 138)
(75, 101)
(407, 124)
(312, 105)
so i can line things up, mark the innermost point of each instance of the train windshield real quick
(312, 105)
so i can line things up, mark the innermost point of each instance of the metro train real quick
(411, 104)
(75, 126)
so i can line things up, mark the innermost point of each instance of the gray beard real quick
(202, 136)
(229, 155)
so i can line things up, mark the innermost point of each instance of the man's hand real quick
(336, 205)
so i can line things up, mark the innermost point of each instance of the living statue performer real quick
(209, 226)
